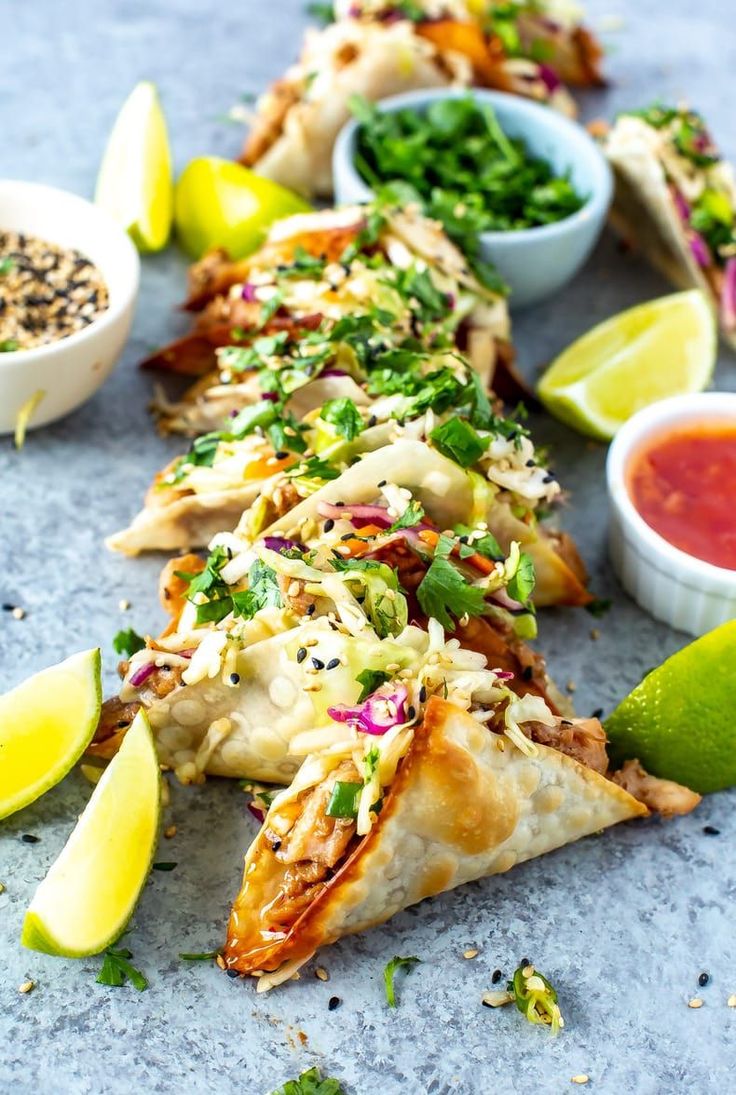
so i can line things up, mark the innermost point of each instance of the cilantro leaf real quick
(457, 440)
(486, 545)
(370, 680)
(116, 970)
(396, 963)
(313, 468)
(412, 515)
(344, 416)
(522, 584)
(128, 642)
(303, 265)
(311, 1083)
(444, 593)
(263, 591)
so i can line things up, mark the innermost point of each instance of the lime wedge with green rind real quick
(46, 723)
(135, 181)
(679, 721)
(219, 203)
(90, 892)
(660, 348)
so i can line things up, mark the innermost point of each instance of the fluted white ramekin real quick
(674, 587)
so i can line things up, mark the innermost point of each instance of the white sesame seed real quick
(2, 888)
(170, 831)
(123, 605)
(595, 634)
(581, 1078)
(571, 686)
(732, 1000)
(472, 953)
(18, 613)
(321, 973)
(26, 987)
(696, 1002)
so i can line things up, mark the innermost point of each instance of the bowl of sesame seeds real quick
(68, 283)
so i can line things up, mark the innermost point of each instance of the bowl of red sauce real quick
(671, 475)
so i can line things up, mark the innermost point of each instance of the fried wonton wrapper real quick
(298, 119)
(671, 185)
(463, 804)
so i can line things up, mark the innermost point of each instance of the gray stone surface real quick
(622, 923)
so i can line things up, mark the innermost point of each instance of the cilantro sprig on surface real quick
(117, 969)
(407, 965)
(445, 593)
(128, 642)
(311, 1083)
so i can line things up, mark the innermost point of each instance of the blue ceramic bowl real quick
(534, 262)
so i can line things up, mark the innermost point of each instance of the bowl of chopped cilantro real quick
(520, 188)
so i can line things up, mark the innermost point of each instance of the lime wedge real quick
(46, 723)
(679, 721)
(222, 204)
(661, 348)
(135, 181)
(89, 894)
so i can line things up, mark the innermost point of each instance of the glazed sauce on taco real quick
(682, 483)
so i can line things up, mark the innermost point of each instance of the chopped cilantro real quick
(412, 515)
(323, 13)
(344, 800)
(522, 584)
(486, 545)
(313, 468)
(311, 1083)
(8, 345)
(7, 265)
(303, 265)
(444, 593)
(344, 416)
(370, 680)
(396, 963)
(457, 439)
(128, 642)
(270, 307)
(263, 589)
(116, 970)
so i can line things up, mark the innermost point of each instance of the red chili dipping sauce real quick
(683, 483)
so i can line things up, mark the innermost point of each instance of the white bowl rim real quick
(675, 410)
(115, 309)
(569, 131)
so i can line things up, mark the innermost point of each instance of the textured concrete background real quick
(622, 923)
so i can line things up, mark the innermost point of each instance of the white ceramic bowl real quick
(534, 262)
(70, 370)
(687, 593)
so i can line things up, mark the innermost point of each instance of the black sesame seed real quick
(7, 607)
(122, 723)
(338, 503)
(710, 830)
(597, 713)
(276, 845)
(496, 976)
(333, 663)
(29, 838)
(318, 663)
(530, 463)
(382, 483)
(423, 694)
(411, 713)
(527, 672)
(281, 454)
(334, 1003)
(348, 536)
(703, 980)
(329, 524)
(549, 478)
(311, 609)
(463, 539)
(372, 420)
(232, 973)
(301, 654)
(235, 678)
